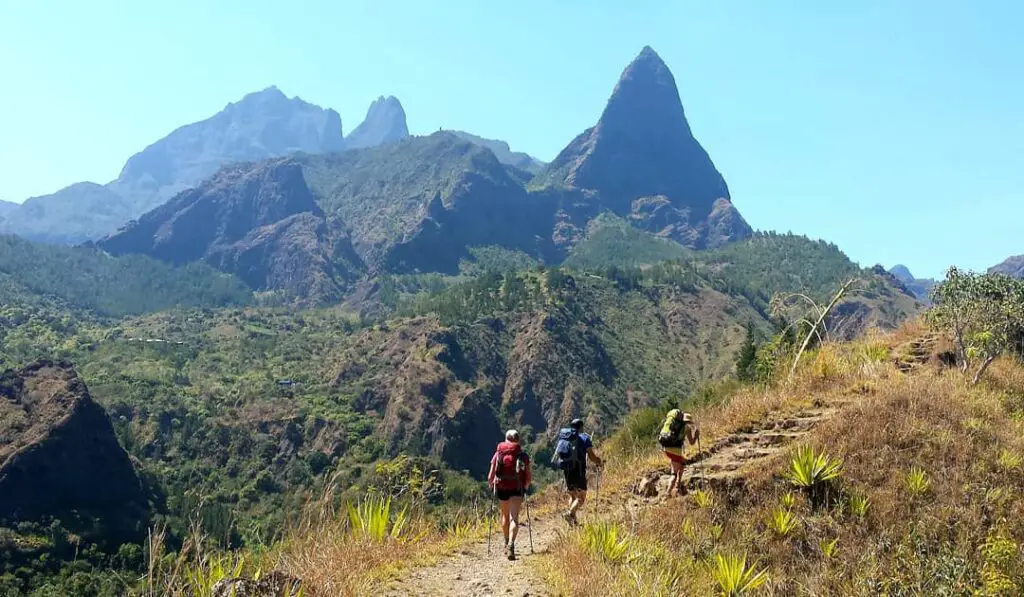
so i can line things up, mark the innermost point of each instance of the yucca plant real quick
(814, 472)
(1009, 461)
(829, 549)
(734, 577)
(859, 506)
(917, 482)
(704, 498)
(783, 522)
(788, 500)
(202, 577)
(373, 519)
(602, 539)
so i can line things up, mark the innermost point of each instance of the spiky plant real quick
(788, 500)
(814, 473)
(602, 539)
(859, 506)
(917, 482)
(734, 577)
(704, 498)
(372, 518)
(202, 577)
(829, 549)
(783, 522)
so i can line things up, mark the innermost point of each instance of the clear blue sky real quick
(894, 129)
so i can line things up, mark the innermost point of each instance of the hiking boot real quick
(511, 551)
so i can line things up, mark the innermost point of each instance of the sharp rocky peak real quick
(384, 122)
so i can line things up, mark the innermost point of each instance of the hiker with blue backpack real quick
(572, 452)
(509, 478)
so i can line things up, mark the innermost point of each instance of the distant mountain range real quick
(311, 224)
(919, 287)
(262, 125)
(1013, 266)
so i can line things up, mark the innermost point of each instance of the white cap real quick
(512, 435)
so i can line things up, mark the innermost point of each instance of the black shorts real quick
(576, 479)
(505, 495)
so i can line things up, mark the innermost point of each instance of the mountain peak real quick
(384, 122)
(643, 161)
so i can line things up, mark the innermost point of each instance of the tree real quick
(746, 363)
(984, 313)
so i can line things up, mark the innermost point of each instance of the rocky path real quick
(473, 573)
(733, 457)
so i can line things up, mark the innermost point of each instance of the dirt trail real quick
(472, 572)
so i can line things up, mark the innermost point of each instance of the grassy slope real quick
(963, 534)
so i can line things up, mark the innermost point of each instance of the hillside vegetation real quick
(925, 498)
(88, 279)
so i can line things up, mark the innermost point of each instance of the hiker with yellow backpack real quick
(678, 428)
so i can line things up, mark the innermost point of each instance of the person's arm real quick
(692, 434)
(593, 456)
(493, 472)
(529, 475)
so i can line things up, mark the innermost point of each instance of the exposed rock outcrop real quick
(642, 161)
(1013, 266)
(59, 457)
(384, 122)
(259, 221)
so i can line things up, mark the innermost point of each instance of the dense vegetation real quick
(86, 278)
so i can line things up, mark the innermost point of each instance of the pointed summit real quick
(643, 161)
(384, 122)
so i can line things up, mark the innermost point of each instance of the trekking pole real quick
(703, 480)
(490, 521)
(529, 521)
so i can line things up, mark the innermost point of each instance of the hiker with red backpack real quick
(509, 478)
(572, 452)
(678, 428)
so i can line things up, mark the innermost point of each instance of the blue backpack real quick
(569, 449)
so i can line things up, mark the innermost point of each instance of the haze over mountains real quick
(420, 204)
(261, 125)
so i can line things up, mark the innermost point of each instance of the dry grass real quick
(961, 535)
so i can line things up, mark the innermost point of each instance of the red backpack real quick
(510, 470)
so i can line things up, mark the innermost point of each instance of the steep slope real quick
(1013, 266)
(642, 161)
(59, 457)
(72, 215)
(258, 221)
(420, 202)
(505, 155)
(261, 125)
(384, 122)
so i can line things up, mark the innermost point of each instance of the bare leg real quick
(505, 519)
(513, 507)
(579, 498)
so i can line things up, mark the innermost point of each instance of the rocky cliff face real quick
(59, 457)
(384, 122)
(1014, 266)
(261, 125)
(259, 221)
(641, 160)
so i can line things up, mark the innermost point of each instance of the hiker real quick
(677, 428)
(509, 478)
(573, 450)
